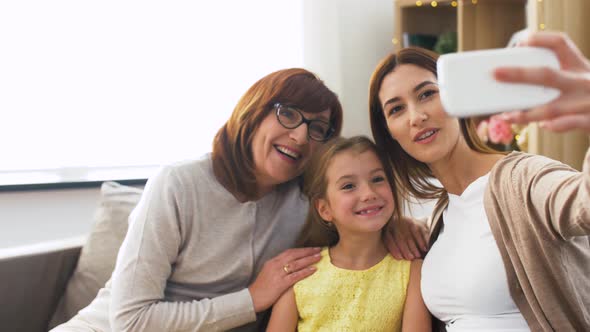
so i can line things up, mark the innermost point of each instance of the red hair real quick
(233, 162)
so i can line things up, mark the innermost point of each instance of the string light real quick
(454, 3)
(433, 4)
(474, 2)
(419, 3)
(541, 25)
(394, 41)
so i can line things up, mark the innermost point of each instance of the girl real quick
(358, 286)
(512, 250)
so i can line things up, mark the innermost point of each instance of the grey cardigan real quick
(190, 253)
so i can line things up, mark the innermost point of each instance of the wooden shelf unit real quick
(478, 24)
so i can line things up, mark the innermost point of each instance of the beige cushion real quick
(98, 256)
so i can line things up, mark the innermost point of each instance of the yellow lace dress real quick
(335, 299)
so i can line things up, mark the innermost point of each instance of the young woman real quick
(509, 236)
(207, 244)
(358, 286)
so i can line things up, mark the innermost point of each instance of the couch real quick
(44, 285)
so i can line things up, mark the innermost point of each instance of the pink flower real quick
(500, 131)
(482, 130)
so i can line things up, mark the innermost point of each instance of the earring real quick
(327, 224)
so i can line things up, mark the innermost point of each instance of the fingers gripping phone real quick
(468, 88)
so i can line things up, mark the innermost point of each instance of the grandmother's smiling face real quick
(281, 154)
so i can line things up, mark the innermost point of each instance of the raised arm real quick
(563, 196)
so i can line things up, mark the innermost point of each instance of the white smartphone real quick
(468, 88)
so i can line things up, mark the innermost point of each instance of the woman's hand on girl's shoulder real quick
(407, 238)
(280, 273)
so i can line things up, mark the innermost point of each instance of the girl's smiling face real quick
(358, 199)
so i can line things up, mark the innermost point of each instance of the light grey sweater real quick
(190, 253)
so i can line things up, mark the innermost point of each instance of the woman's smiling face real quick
(415, 116)
(280, 154)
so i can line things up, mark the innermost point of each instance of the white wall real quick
(344, 40)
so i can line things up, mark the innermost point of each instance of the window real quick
(109, 89)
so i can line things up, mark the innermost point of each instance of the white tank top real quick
(464, 283)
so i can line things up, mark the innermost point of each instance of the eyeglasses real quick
(291, 118)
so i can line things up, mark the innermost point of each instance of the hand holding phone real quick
(571, 111)
(468, 88)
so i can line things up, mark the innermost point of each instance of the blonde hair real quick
(316, 232)
(233, 163)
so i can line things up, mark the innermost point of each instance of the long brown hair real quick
(316, 232)
(411, 176)
(233, 163)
